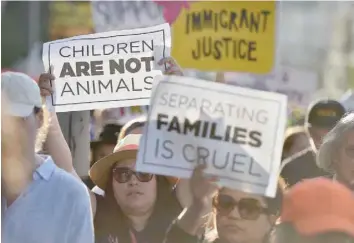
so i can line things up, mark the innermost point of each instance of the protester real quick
(140, 197)
(295, 141)
(321, 118)
(103, 146)
(316, 211)
(336, 154)
(134, 126)
(130, 210)
(49, 205)
(240, 217)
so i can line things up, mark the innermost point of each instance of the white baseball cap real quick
(22, 94)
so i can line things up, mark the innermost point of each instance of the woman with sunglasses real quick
(240, 217)
(137, 207)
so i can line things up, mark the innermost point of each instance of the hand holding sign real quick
(44, 84)
(203, 188)
(172, 67)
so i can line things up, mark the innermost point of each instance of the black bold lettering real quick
(239, 134)
(160, 121)
(137, 65)
(148, 61)
(114, 66)
(67, 70)
(213, 131)
(174, 125)
(255, 137)
(96, 68)
(82, 68)
(191, 127)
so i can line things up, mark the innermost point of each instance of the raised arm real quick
(55, 142)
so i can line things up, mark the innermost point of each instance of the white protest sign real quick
(299, 85)
(106, 70)
(238, 132)
(119, 15)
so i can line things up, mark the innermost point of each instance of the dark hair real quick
(290, 136)
(274, 204)
(131, 125)
(286, 233)
(110, 220)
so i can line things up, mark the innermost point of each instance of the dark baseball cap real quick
(325, 113)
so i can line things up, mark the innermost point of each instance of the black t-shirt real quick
(301, 166)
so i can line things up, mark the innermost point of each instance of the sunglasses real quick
(248, 208)
(123, 175)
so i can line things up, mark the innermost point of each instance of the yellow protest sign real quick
(226, 36)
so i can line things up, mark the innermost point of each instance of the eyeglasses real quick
(123, 175)
(248, 208)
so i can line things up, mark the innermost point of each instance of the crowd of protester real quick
(44, 200)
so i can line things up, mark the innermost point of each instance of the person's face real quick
(135, 194)
(300, 143)
(344, 164)
(103, 150)
(244, 223)
(317, 134)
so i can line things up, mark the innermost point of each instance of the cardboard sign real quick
(106, 70)
(226, 36)
(237, 132)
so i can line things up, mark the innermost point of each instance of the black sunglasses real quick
(248, 208)
(123, 175)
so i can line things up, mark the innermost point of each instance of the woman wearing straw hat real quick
(137, 207)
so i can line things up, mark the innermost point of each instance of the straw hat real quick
(126, 148)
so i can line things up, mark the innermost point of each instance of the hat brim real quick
(19, 110)
(323, 224)
(100, 171)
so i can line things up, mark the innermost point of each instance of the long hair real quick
(110, 220)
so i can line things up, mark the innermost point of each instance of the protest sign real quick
(122, 15)
(237, 132)
(300, 85)
(106, 70)
(226, 36)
